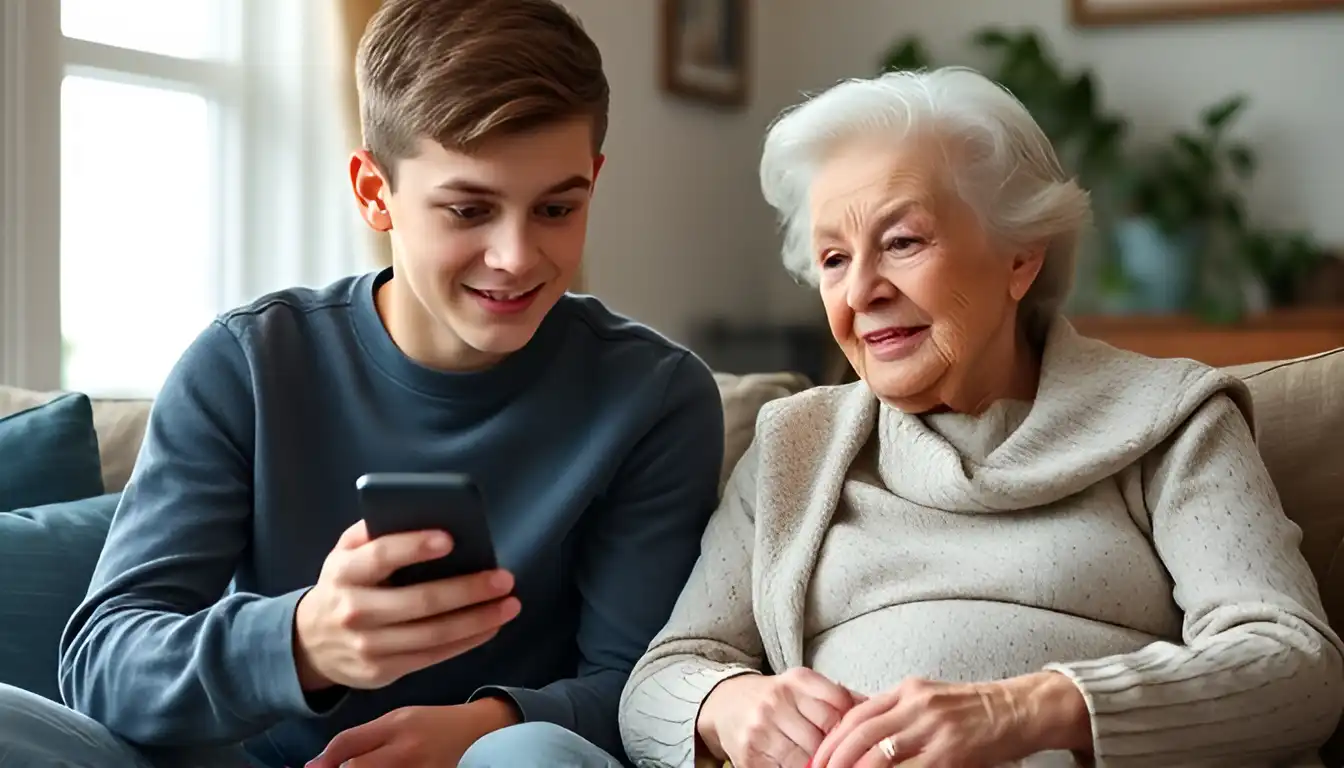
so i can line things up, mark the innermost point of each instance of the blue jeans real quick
(38, 733)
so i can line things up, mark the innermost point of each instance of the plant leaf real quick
(991, 38)
(1080, 96)
(1242, 160)
(1030, 44)
(1103, 140)
(1233, 213)
(1220, 115)
(1194, 149)
(906, 55)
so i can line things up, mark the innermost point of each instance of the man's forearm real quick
(162, 678)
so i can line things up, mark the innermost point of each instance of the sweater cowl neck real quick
(1097, 410)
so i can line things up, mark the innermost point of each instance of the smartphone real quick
(398, 502)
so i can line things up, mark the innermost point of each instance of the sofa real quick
(1299, 425)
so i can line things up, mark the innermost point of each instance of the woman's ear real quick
(1026, 267)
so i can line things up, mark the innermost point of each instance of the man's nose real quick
(512, 251)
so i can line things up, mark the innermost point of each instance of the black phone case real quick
(398, 503)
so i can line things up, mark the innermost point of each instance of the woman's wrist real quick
(706, 730)
(1051, 711)
(712, 709)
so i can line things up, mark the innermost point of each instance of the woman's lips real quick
(895, 342)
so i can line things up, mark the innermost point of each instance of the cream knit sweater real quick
(1120, 529)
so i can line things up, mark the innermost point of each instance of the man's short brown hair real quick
(460, 71)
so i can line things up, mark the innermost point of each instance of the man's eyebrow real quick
(573, 182)
(472, 188)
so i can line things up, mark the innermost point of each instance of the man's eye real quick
(467, 211)
(556, 211)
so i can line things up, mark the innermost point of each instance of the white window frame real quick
(30, 355)
(270, 229)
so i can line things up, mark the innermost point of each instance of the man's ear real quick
(598, 161)
(1026, 267)
(371, 189)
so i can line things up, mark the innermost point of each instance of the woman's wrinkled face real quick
(917, 293)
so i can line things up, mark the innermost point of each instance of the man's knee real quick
(534, 745)
(38, 732)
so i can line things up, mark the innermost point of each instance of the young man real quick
(240, 601)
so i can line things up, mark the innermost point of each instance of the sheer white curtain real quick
(162, 160)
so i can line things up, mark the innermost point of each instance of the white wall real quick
(1159, 75)
(679, 230)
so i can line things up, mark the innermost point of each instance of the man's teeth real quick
(502, 296)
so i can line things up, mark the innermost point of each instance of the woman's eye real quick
(832, 260)
(555, 211)
(902, 243)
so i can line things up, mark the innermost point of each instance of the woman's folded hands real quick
(800, 719)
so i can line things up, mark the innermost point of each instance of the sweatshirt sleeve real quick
(159, 651)
(635, 550)
(1259, 677)
(711, 636)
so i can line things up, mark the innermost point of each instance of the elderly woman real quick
(1006, 544)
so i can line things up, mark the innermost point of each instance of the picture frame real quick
(704, 50)
(1101, 13)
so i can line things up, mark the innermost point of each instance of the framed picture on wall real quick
(704, 50)
(1092, 13)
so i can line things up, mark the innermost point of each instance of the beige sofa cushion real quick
(1299, 407)
(743, 397)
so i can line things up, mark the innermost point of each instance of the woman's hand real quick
(974, 725)
(777, 720)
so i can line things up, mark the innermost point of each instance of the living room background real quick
(680, 236)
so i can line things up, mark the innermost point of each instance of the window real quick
(141, 185)
(188, 29)
(169, 159)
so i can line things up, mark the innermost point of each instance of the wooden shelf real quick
(1277, 335)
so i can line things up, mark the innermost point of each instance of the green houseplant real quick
(1188, 225)
(1193, 179)
(1185, 211)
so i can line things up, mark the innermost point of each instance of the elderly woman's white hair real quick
(1001, 162)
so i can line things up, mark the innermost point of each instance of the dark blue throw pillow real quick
(49, 454)
(47, 556)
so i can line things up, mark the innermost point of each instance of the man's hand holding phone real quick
(352, 630)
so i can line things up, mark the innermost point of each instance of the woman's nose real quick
(868, 288)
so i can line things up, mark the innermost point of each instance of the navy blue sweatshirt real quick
(598, 447)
